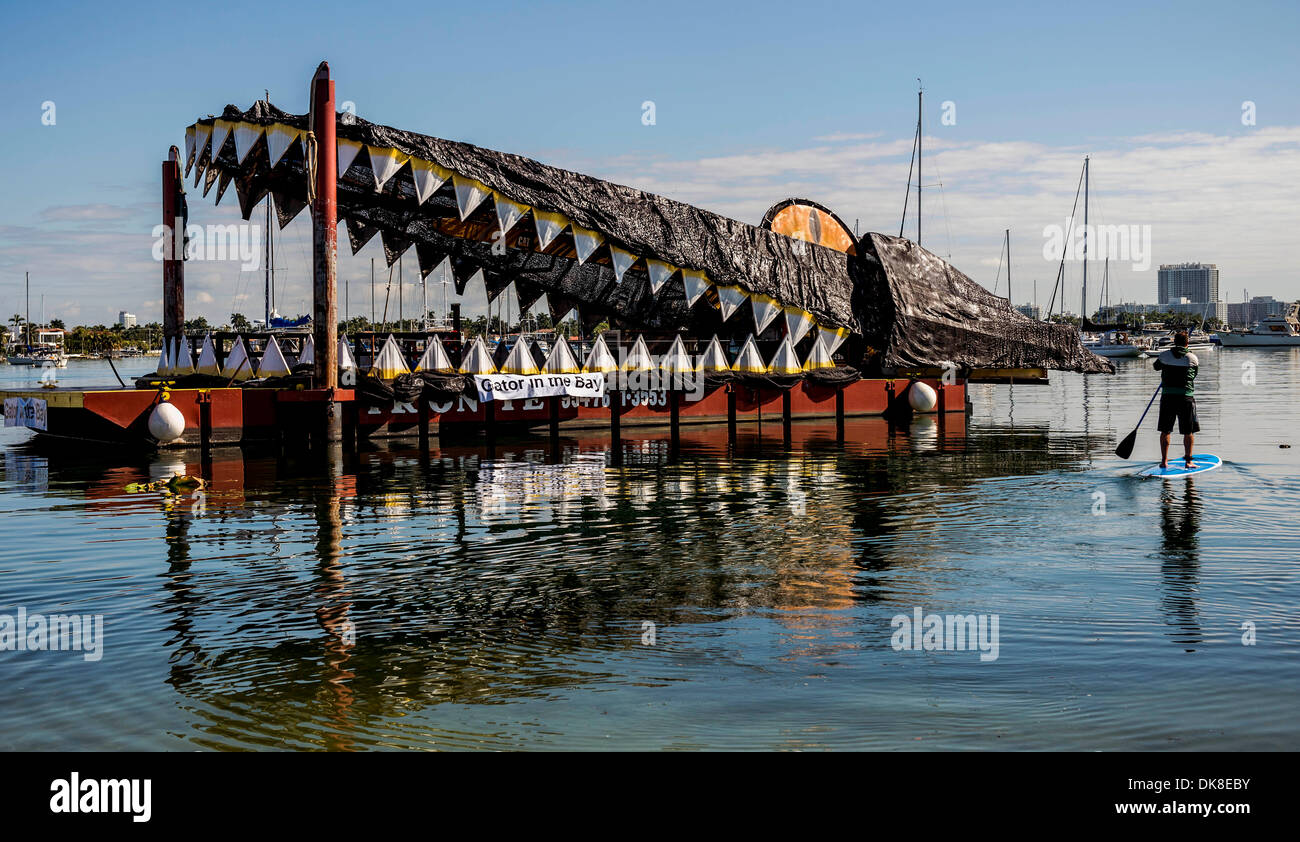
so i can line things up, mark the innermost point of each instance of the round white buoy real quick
(922, 397)
(166, 423)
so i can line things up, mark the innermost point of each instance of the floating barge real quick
(828, 325)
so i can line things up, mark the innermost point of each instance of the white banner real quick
(511, 387)
(26, 412)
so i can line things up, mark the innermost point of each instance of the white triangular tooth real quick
(273, 363)
(238, 364)
(435, 358)
(165, 359)
(428, 177)
(477, 360)
(639, 358)
(208, 358)
(819, 356)
(659, 273)
(246, 135)
(833, 336)
(677, 361)
(347, 362)
(730, 299)
(797, 323)
(279, 138)
(307, 356)
(750, 360)
(599, 359)
(469, 195)
(765, 311)
(696, 284)
(508, 212)
(549, 226)
(384, 163)
(585, 242)
(220, 131)
(389, 363)
(348, 151)
(561, 359)
(622, 261)
(785, 360)
(714, 358)
(520, 359)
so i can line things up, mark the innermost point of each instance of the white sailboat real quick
(1281, 330)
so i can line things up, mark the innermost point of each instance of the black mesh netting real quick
(769, 381)
(840, 375)
(924, 312)
(904, 305)
(409, 388)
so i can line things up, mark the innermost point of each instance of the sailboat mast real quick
(266, 267)
(1083, 306)
(1009, 301)
(28, 276)
(920, 136)
(270, 241)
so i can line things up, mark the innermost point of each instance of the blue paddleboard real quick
(1201, 462)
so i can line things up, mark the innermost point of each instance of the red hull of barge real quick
(233, 416)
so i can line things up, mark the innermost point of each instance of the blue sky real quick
(754, 101)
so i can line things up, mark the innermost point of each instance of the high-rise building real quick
(125, 319)
(1249, 312)
(1194, 282)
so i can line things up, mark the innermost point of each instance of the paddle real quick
(1125, 449)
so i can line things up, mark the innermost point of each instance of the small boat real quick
(1197, 340)
(1117, 343)
(1281, 330)
(39, 356)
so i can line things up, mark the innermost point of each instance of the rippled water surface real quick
(461, 599)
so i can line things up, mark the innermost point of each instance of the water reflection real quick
(321, 602)
(1180, 517)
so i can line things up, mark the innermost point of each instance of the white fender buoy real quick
(166, 424)
(922, 397)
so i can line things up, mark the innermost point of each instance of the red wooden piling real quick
(324, 240)
(173, 257)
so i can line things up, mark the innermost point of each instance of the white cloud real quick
(1224, 199)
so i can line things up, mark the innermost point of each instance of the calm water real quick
(455, 600)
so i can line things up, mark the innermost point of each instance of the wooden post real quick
(839, 415)
(674, 420)
(553, 405)
(205, 433)
(324, 219)
(350, 411)
(615, 434)
(731, 413)
(786, 436)
(173, 248)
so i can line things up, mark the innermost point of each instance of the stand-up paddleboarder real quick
(1177, 367)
